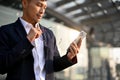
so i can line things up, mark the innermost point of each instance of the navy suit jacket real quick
(16, 53)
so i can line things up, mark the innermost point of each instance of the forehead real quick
(39, 0)
(43, 0)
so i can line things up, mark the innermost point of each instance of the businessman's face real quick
(33, 10)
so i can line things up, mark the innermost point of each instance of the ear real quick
(24, 3)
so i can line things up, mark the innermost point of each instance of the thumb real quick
(79, 43)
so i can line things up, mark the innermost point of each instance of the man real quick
(28, 50)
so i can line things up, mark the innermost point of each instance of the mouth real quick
(39, 16)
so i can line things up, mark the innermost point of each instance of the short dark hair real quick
(30, 0)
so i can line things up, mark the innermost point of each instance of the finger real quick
(39, 33)
(32, 34)
(74, 45)
(79, 43)
(71, 53)
(38, 28)
(73, 50)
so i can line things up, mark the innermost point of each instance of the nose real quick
(42, 10)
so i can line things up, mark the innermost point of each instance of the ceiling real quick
(98, 17)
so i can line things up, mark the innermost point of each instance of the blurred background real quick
(99, 56)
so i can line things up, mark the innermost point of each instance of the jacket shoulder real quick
(48, 31)
(6, 27)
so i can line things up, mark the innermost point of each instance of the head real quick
(33, 10)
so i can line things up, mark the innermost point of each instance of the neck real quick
(28, 20)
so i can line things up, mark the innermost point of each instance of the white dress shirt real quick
(38, 52)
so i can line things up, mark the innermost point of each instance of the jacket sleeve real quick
(63, 63)
(60, 63)
(10, 56)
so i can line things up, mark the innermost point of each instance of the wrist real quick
(30, 40)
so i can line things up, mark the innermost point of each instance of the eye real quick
(39, 4)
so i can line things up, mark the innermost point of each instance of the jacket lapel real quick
(20, 29)
(44, 34)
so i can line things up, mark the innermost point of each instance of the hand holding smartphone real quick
(73, 50)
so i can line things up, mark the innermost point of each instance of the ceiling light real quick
(115, 0)
(92, 15)
(105, 11)
(99, 4)
(85, 8)
(118, 7)
(80, 1)
(74, 12)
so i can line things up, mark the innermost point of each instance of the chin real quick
(36, 21)
(39, 20)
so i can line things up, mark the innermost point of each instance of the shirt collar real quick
(25, 23)
(27, 26)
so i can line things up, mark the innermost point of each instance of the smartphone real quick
(81, 36)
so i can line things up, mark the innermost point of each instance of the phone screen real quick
(81, 36)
